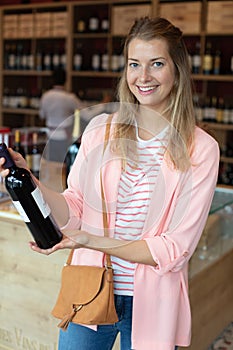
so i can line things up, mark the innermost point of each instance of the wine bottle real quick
(71, 155)
(36, 155)
(17, 143)
(93, 24)
(196, 59)
(208, 59)
(217, 62)
(29, 202)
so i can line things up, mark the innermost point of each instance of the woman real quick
(159, 173)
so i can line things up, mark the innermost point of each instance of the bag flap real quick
(81, 284)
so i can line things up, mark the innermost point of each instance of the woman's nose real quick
(145, 74)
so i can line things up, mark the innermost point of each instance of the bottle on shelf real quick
(105, 62)
(196, 59)
(115, 63)
(71, 155)
(208, 59)
(198, 108)
(6, 56)
(93, 24)
(12, 57)
(17, 146)
(55, 58)
(22, 98)
(62, 57)
(74, 147)
(78, 58)
(105, 25)
(24, 59)
(6, 97)
(35, 155)
(30, 60)
(226, 113)
(81, 26)
(29, 202)
(12, 99)
(39, 58)
(213, 109)
(19, 56)
(206, 110)
(95, 62)
(47, 60)
(220, 108)
(217, 62)
(34, 99)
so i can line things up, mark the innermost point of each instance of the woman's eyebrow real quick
(152, 59)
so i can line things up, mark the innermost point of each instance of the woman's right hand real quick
(18, 160)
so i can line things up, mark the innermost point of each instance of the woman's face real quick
(150, 72)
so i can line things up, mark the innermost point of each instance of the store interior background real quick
(86, 37)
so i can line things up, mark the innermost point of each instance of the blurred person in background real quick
(57, 107)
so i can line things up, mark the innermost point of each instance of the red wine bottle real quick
(71, 155)
(29, 202)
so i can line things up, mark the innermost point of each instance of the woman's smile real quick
(147, 90)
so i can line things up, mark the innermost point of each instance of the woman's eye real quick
(158, 64)
(133, 64)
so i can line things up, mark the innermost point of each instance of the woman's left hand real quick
(71, 240)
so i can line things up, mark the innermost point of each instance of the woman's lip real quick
(146, 89)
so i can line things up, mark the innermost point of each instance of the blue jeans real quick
(78, 337)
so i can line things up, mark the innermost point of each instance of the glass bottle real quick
(208, 59)
(28, 200)
(196, 59)
(217, 62)
(17, 147)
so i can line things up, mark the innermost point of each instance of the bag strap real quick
(104, 209)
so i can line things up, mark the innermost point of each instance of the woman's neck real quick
(150, 123)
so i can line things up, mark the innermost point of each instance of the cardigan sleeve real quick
(188, 210)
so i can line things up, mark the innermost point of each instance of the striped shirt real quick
(134, 194)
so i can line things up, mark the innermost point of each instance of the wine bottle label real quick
(208, 63)
(196, 60)
(56, 60)
(21, 211)
(77, 61)
(42, 205)
(95, 62)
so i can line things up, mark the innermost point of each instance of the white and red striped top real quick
(135, 188)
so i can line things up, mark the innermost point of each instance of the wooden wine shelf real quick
(216, 126)
(24, 111)
(28, 72)
(205, 77)
(227, 160)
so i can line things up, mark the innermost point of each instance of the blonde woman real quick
(159, 173)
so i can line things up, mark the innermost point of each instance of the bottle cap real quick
(5, 154)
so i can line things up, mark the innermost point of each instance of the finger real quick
(49, 251)
(2, 160)
(35, 248)
(4, 172)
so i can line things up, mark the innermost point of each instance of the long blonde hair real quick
(180, 108)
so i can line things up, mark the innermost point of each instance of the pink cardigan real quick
(178, 212)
